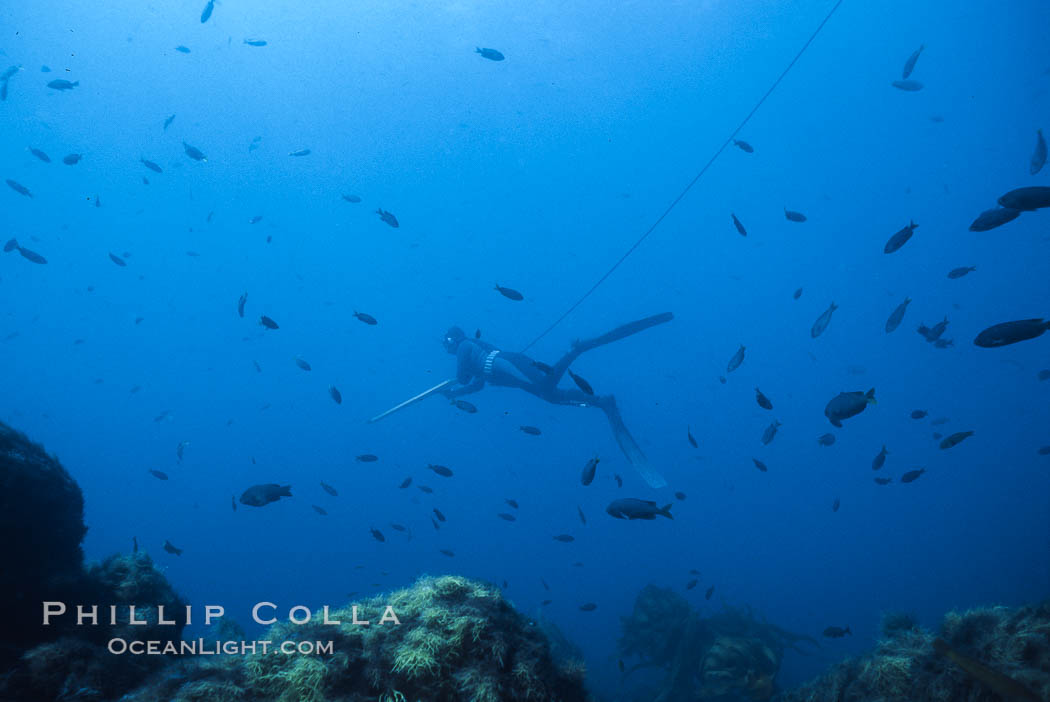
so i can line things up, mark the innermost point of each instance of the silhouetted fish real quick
(490, 54)
(900, 238)
(909, 65)
(509, 293)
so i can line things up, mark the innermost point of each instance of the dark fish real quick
(912, 475)
(908, 86)
(329, 489)
(770, 433)
(564, 538)
(760, 465)
(826, 439)
(509, 293)
(258, 368)
(40, 155)
(762, 400)
(581, 383)
(633, 508)
(158, 474)
(680, 496)
(19, 188)
(440, 470)
(1044, 451)
(426, 488)
(897, 316)
(798, 293)
(169, 120)
(956, 273)
(909, 65)
(398, 527)
(848, 404)
(262, 42)
(170, 548)
(1011, 333)
(545, 585)
(477, 335)
(1039, 155)
(955, 439)
(900, 238)
(336, 396)
(1002, 685)
(822, 321)
(60, 84)
(240, 303)
(405, 483)
(117, 260)
(918, 414)
(465, 406)
(793, 216)
(181, 449)
(320, 510)
(367, 458)
(507, 517)
(437, 526)
(134, 544)
(9, 73)
(710, 591)
(206, 14)
(182, 49)
(880, 459)
(145, 180)
(743, 146)
(193, 152)
(366, 318)
(300, 152)
(447, 552)
(261, 495)
(1031, 198)
(439, 515)
(256, 219)
(691, 438)
(490, 54)
(738, 225)
(736, 359)
(587, 476)
(530, 430)
(352, 198)
(31, 256)
(377, 535)
(72, 159)
(932, 335)
(255, 144)
(883, 481)
(835, 505)
(691, 584)
(995, 217)
(11, 245)
(834, 632)
(618, 479)
(1043, 374)
(267, 322)
(388, 217)
(302, 363)
(588, 607)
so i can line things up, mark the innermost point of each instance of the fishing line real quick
(685, 191)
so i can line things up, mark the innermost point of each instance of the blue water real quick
(537, 172)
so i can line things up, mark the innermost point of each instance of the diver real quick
(479, 362)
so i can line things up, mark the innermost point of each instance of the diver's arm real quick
(474, 386)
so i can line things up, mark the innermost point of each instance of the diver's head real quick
(453, 337)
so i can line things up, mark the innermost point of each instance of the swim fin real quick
(631, 449)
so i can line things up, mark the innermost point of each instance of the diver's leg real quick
(621, 332)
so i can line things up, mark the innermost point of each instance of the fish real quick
(329, 489)
(258, 368)
(168, 121)
(760, 465)
(256, 219)
(134, 544)
(691, 584)
(1044, 451)
(1043, 374)
(405, 483)
(377, 535)
(398, 527)
(743, 146)
(579, 511)
(993, 217)
(895, 242)
(618, 479)
(388, 217)
(180, 450)
(145, 180)
(300, 152)
(826, 439)
(182, 49)
(908, 86)
(633, 508)
(918, 414)
(72, 159)
(762, 400)
(264, 494)
(18, 188)
(1033, 197)
(738, 225)
(334, 393)
(117, 260)
(564, 538)
(834, 632)
(447, 552)
(588, 607)
(9, 73)
(736, 359)
(897, 316)
(512, 503)
(440, 470)
(352, 198)
(912, 475)
(366, 318)
(580, 383)
(206, 13)
(262, 42)
(31, 256)
(710, 591)
(98, 203)
(883, 481)
(465, 406)
(587, 476)
(171, 548)
(691, 438)
(793, 216)
(193, 152)
(770, 433)
(955, 439)
(530, 430)
(40, 155)
(848, 404)
(240, 303)
(909, 65)
(798, 294)
(320, 510)
(1039, 155)
(509, 293)
(302, 363)
(61, 84)
(932, 335)
(490, 54)
(822, 321)
(835, 505)
(426, 488)
(158, 474)
(267, 322)
(366, 458)
(439, 515)
(880, 459)
(437, 527)
(1002, 685)
(255, 144)
(507, 517)
(957, 273)
(1011, 333)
